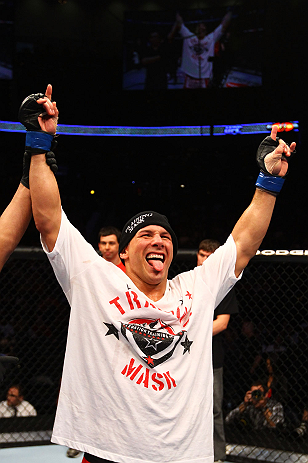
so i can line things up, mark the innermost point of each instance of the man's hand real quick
(39, 114)
(48, 121)
(276, 162)
(247, 398)
(272, 158)
(246, 402)
(178, 20)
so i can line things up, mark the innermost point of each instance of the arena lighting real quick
(169, 131)
(117, 131)
(247, 129)
(284, 126)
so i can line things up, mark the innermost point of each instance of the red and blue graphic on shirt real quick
(153, 340)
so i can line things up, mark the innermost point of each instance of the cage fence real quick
(266, 342)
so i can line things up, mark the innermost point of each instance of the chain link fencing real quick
(266, 341)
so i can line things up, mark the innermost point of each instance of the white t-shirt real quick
(196, 52)
(137, 377)
(22, 409)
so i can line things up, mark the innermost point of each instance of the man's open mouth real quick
(156, 261)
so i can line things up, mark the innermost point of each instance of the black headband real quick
(141, 220)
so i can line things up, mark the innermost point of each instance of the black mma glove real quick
(37, 141)
(265, 180)
(50, 160)
(25, 169)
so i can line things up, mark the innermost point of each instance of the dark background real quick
(78, 46)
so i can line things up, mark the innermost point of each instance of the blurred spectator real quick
(222, 315)
(257, 410)
(15, 405)
(297, 372)
(108, 245)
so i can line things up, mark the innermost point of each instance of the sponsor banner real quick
(282, 252)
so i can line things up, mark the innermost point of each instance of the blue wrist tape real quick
(269, 182)
(39, 141)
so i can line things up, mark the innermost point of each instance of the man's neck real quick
(153, 292)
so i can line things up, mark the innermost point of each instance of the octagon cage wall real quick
(266, 340)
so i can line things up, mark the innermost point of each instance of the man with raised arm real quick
(198, 50)
(137, 377)
(14, 222)
(17, 215)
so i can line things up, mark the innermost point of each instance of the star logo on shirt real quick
(111, 330)
(186, 344)
(152, 343)
(149, 360)
(188, 294)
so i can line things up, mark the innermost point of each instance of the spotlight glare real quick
(92, 192)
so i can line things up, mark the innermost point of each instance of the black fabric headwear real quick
(141, 220)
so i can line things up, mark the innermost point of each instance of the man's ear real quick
(124, 254)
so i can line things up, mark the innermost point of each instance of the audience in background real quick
(108, 245)
(257, 410)
(15, 405)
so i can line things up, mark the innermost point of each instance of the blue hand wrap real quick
(270, 183)
(38, 141)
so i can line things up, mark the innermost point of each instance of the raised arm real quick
(176, 27)
(40, 116)
(46, 202)
(226, 21)
(14, 222)
(16, 217)
(252, 226)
